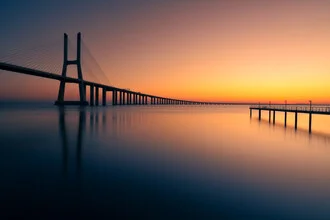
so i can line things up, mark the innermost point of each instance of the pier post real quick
(310, 123)
(104, 97)
(250, 111)
(295, 120)
(269, 116)
(91, 95)
(285, 116)
(274, 117)
(259, 114)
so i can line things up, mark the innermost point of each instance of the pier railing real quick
(307, 108)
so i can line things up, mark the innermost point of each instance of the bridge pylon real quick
(82, 93)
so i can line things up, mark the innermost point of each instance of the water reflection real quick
(64, 139)
(160, 162)
(289, 131)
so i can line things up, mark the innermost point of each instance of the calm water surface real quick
(162, 162)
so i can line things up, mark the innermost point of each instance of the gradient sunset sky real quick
(235, 50)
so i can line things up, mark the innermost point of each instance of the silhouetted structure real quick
(66, 63)
(125, 97)
(294, 109)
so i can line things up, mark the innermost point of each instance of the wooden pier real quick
(304, 109)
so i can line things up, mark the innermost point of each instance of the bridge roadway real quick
(132, 97)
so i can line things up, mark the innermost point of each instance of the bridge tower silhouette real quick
(82, 93)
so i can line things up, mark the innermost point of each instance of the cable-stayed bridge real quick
(120, 96)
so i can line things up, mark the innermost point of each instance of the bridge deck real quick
(33, 72)
(43, 74)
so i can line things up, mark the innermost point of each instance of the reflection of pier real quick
(64, 137)
(321, 110)
(315, 136)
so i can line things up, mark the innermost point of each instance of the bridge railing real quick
(294, 107)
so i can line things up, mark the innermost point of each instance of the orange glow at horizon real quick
(212, 51)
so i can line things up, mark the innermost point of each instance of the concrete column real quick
(120, 97)
(274, 117)
(114, 97)
(104, 97)
(259, 114)
(96, 96)
(91, 95)
(139, 99)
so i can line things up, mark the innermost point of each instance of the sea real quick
(161, 162)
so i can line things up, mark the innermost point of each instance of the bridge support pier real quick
(114, 97)
(259, 114)
(82, 92)
(104, 97)
(285, 116)
(274, 117)
(91, 95)
(269, 116)
(96, 96)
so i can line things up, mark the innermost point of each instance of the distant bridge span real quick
(119, 96)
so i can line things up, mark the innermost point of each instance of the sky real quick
(236, 51)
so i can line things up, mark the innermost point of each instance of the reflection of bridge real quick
(119, 96)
